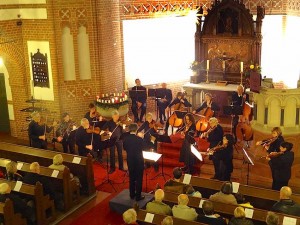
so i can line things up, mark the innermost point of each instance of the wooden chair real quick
(9, 216)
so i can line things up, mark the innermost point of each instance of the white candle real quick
(223, 65)
(112, 100)
(242, 67)
(207, 64)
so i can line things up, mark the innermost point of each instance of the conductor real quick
(133, 145)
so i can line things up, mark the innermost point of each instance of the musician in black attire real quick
(147, 130)
(214, 136)
(37, 131)
(139, 101)
(83, 138)
(226, 156)
(180, 102)
(115, 131)
(165, 96)
(133, 145)
(281, 163)
(186, 156)
(238, 99)
(273, 145)
(65, 134)
(208, 103)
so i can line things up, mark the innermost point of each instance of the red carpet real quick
(101, 214)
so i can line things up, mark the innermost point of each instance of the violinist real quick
(139, 101)
(164, 102)
(179, 103)
(37, 130)
(65, 134)
(238, 99)
(273, 144)
(93, 116)
(281, 163)
(84, 138)
(115, 130)
(226, 156)
(208, 103)
(186, 156)
(148, 131)
(214, 136)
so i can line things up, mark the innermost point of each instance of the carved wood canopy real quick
(227, 36)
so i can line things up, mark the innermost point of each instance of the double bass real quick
(243, 129)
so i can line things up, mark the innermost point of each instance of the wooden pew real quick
(83, 170)
(158, 218)
(43, 203)
(227, 210)
(253, 194)
(8, 214)
(62, 182)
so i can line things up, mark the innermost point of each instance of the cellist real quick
(179, 103)
(208, 103)
(238, 99)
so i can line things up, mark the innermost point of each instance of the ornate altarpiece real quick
(227, 36)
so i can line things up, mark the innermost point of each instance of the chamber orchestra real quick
(178, 117)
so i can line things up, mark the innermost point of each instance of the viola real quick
(211, 151)
(155, 126)
(274, 154)
(93, 130)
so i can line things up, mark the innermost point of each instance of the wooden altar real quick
(227, 36)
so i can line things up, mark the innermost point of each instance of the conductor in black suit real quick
(139, 101)
(166, 98)
(133, 145)
(238, 99)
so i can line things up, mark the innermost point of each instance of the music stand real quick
(162, 139)
(249, 161)
(151, 92)
(196, 153)
(150, 157)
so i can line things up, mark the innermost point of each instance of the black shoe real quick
(111, 171)
(140, 198)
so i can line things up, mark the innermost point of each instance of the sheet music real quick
(149, 217)
(249, 213)
(153, 156)
(55, 173)
(18, 186)
(196, 153)
(201, 203)
(235, 187)
(187, 178)
(20, 165)
(289, 221)
(76, 160)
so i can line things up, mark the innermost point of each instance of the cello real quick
(174, 121)
(202, 123)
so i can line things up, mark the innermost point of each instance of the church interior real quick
(59, 57)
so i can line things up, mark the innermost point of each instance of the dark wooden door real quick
(4, 118)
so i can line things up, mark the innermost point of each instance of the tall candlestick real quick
(207, 64)
(242, 67)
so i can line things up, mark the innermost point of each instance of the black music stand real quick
(249, 162)
(151, 92)
(162, 139)
(137, 93)
(150, 157)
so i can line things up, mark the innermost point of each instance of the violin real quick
(272, 155)
(211, 151)
(155, 126)
(93, 130)
(205, 134)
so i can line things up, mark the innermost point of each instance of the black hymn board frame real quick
(39, 63)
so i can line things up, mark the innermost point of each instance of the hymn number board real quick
(40, 74)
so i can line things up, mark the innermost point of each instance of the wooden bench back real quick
(158, 218)
(9, 215)
(253, 194)
(226, 210)
(35, 192)
(84, 170)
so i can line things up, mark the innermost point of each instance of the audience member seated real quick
(225, 195)
(157, 206)
(34, 176)
(272, 219)
(58, 165)
(20, 206)
(12, 172)
(239, 217)
(286, 205)
(209, 217)
(182, 210)
(130, 216)
(167, 221)
(174, 185)
(241, 200)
